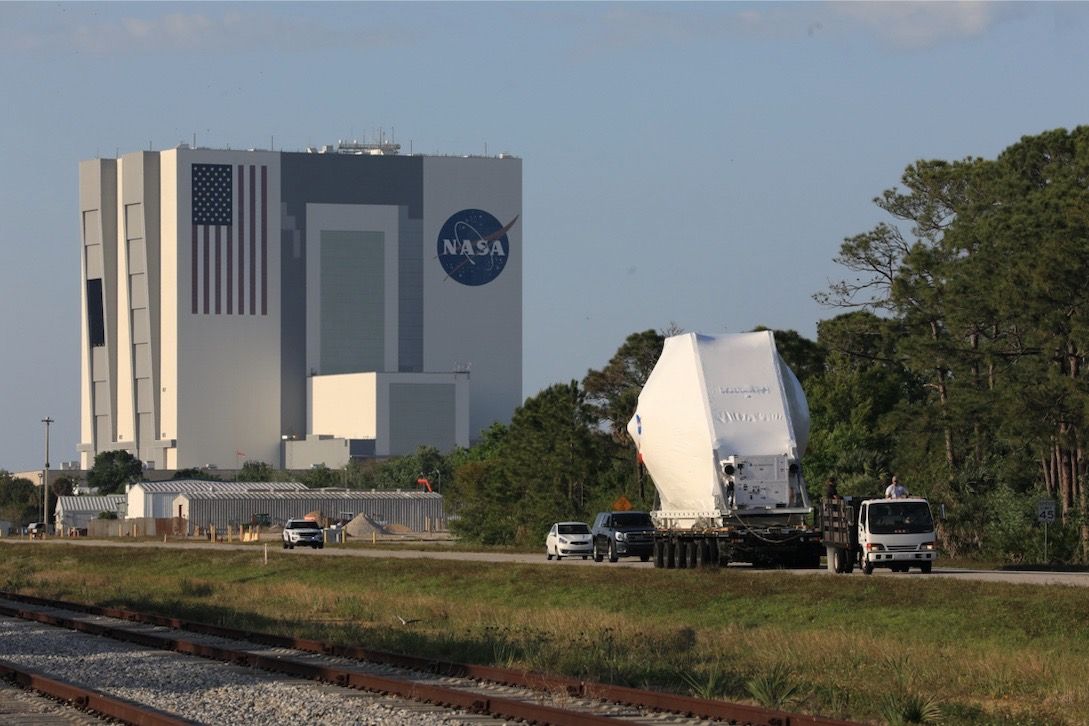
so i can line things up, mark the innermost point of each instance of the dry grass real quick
(979, 653)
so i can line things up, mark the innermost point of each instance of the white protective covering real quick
(709, 398)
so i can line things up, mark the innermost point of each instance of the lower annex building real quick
(297, 308)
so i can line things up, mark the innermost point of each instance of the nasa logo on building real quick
(473, 247)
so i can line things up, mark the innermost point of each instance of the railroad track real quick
(471, 689)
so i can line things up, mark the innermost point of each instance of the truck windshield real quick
(632, 519)
(900, 518)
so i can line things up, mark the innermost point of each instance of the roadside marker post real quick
(1045, 515)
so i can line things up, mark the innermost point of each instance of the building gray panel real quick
(353, 280)
(138, 291)
(134, 219)
(145, 398)
(145, 426)
(92, 231)
(94, 261)
(328, 179)
(410, 294)
(102, 398)
(103, 433)
(140, 326)
(99, 373)
(137, 256)
(141, 360)
(422, 414)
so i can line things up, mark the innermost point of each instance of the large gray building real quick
(297, 307)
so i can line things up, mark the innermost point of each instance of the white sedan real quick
(568, 539)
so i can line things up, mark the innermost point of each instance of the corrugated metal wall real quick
(417, 512)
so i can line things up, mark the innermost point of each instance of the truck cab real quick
(897, 534)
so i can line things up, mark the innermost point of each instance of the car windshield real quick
(303, 524)
(900, 518)
(573, 529)
(632, 519)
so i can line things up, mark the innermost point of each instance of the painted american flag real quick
(229, 240)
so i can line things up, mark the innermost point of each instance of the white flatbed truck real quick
(896, 534)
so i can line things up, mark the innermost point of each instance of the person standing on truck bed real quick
(830, 489)
(896, 490)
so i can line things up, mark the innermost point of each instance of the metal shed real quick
(417, 511)
(155, 499)
(78, 511)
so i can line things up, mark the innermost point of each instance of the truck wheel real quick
(285, 545)
(548, 555)
(670, 554)
(644, 558)
(597, 553)
(659, 553)
(867, 568)
(695, 553)
(680, 552)
(613, 557)
(926, 567)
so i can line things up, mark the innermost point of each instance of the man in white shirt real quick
(896, 490)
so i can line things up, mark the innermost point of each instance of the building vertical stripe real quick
(229, 280)
(253, 241)
(264, 240)
(219, 273)
(241, 239)
(207, 269)
(193, 247)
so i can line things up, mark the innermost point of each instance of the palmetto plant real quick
(900, 709)
(776, 688)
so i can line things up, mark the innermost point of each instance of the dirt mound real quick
(363, 526)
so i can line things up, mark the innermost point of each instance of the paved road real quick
(435, 551)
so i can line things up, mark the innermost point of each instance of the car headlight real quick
(563, 540)
(875, 546)
(621, 536)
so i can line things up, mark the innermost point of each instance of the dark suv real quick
(623, 534)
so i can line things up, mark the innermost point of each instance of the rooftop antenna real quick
(194, 139)
(485, 148)
(271, 143)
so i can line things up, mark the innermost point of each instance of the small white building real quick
(76, 512)
(154, 498)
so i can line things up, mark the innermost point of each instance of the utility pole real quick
(45, 476)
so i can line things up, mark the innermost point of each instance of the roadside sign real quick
(1045, 511)
(623, 504)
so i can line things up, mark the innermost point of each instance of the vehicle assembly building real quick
(297, 308)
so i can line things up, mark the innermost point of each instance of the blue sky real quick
(694, 165)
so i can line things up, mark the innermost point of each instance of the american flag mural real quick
(229, 240)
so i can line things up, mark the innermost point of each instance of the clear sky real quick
(687, 164)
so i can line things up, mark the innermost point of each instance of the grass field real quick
(885, 650)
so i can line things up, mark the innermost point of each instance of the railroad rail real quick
(24, 606)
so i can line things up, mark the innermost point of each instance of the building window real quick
(96, 321)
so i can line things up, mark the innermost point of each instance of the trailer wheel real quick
(830, 557)
(659, 553)
(680, 548)
(669, 553)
